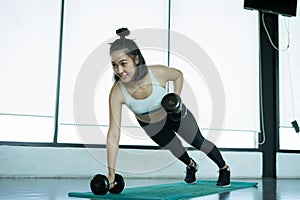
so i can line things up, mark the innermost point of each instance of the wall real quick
(79, 162)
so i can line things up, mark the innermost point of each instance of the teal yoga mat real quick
(172, 191)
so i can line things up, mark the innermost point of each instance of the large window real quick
(228, 35)
(89, 27)
(289, 28)
(29, 40)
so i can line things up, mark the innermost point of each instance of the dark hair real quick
(133, 51)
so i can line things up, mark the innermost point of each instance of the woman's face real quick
(124, 65)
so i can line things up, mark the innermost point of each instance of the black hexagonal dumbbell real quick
(174, 107)
(100, 185)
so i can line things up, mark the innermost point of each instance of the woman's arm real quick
(166, 74)
(113, 135)
(177, 80)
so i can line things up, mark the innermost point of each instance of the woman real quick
(142, 88)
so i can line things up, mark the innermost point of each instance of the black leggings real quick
(164, 134)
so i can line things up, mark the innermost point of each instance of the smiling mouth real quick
(123, 75)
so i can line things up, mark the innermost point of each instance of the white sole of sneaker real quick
(223, 185)
(191, 183)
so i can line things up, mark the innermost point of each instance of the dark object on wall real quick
(282, 7)
(295, 125)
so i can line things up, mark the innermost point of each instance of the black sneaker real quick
(190, 177)
(224, 178)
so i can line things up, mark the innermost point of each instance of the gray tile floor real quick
(57, 189)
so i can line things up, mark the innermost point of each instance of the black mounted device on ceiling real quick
(286, 8)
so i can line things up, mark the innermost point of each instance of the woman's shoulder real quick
(116, 88)
(165, 73)
(157, 67)
(158, 70)
(161, 70)
(116, 91)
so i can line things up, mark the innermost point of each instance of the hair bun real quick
(122, 32)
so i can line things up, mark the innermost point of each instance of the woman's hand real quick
(111, 180)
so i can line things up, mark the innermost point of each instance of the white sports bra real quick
(149, 104)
